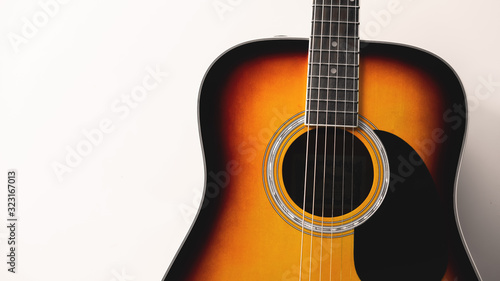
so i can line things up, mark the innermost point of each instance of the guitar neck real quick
(332, 91)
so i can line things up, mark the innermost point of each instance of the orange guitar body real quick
(409, 97)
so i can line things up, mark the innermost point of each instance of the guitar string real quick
(344, 132)
(316, 143)
(305, 188)
(308, 128)
(316, 146)
(356, 74)
(325, 155)
(337, 52)
(304, 200)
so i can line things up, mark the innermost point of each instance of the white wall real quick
(121, 211)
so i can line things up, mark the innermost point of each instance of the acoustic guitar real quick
(328, 159)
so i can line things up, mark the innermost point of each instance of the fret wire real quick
(334, 36)
(332, 101)
(352, 2)
(317, 87)
(343, 125)
(331, 111)
(339, 52)
(335, 101)
(332, 77)
(335, 51)
(348, 99)
(354, 104)
(349, 59)
(335, 21)
(332, 89)
(335, 6)
(334, 64)
(335, 90)
(323, 120)
(326, 100)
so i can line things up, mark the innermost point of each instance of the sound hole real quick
(332, 192)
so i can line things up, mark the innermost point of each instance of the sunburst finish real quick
(253, 90)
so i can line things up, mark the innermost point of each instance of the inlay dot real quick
(333, 70)
(334, 44)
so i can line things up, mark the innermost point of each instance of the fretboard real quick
(332, 90)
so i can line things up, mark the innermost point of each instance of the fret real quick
(337, 2)
(327, 66)
(353, 21)
(332, 111)
(336, 21)
(330, 43)
(339, 64)
(312, 104)
(328, 106)
(335, 13)
(335, 5)
(329, 28)
(334, 83)
(340, 13)
(335, 36)
(325, 76)
(348, 48)
(345, 95)
(333, 100)
(332, 119)
(334, 50)
(338, 58)
(330, 76)
(332, 70)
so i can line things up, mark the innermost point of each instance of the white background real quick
(121, 211)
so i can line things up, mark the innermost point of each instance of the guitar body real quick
(411, 102)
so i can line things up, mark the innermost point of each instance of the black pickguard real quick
(406, 238)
